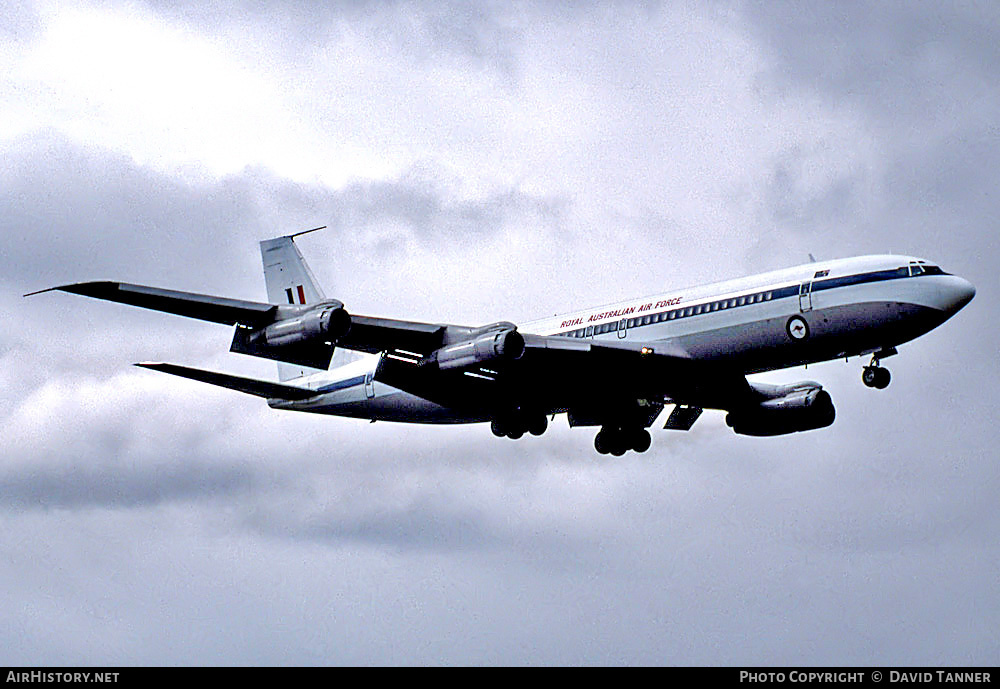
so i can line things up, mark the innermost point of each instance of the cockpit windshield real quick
(923, 268)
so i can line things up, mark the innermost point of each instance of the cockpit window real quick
(915, 269)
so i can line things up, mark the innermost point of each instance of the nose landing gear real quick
(874, 376)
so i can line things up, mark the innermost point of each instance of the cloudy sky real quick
(477, 162)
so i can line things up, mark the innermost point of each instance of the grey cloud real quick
(76, 484)
(20, 23)
(904, 60)
(79, 442)
(418, 525)
(74, 212)
(480, 34)
(812, 211)
(921, 79)
(430, 212)
(952, 173)
(57, 194)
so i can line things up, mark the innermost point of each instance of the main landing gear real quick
(515, 426)
(874, 376)
(617, 440)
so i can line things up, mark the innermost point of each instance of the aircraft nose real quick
(957, 294)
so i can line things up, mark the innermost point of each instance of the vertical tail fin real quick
(290, 281)
(286, 274)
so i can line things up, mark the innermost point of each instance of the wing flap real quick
(682, 418)
(251, 386)
(374, 335)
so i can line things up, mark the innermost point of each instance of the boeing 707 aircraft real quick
(615, 367)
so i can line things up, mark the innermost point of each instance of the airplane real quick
(615, 367)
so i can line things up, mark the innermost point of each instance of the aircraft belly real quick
(796, 338)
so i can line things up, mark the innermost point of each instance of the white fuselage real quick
(813, 312)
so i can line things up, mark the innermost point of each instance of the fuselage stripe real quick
(774, 294)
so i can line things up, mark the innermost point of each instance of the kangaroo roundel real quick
(797, 328)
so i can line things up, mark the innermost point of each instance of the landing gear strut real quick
(617, 440)
(874, 376)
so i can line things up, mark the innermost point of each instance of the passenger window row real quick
(820, 281)
(686, 312)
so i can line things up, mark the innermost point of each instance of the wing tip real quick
(90, 288)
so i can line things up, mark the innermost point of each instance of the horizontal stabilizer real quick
(260, 388)
(201, 306)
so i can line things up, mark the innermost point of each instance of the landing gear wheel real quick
(876, 377)
(869, 375)
(611, 441)
(601, 443)
(538, 425)
(641, 441)
(614, 440)
(882, 378)
(498, 429)
(514, 424)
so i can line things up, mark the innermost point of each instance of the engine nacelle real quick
(785, 409)
(328, 321)
(502, 345)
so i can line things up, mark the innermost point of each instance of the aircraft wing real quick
(367, 334)
(200, 306)
(560, 373)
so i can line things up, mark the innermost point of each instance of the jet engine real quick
(305, 336)
(784, 409)
(500, 344)
(327, 322)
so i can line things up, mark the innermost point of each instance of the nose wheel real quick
(874, 376)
